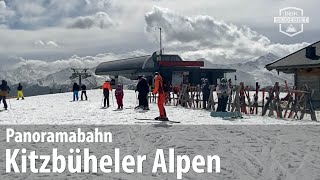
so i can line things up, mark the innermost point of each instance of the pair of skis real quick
(253, 106)
(245, 93)
(156, 120)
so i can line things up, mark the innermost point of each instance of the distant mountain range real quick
(45, 80)
(254, 70)
(39, 83)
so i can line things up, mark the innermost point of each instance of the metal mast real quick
(160, 41)
(80, 73)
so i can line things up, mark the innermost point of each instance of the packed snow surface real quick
(254, 147)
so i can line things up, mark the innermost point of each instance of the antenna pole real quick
(160, 41)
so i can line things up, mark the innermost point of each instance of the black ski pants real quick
(106, 98)
(3, 99)
(85, 94)
(222, 103)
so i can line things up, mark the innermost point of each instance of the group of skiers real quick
(143, 90)
(223, 91)
(5, 90)
(76, 89)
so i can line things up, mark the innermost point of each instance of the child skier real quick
(20, 93)
(119, 96)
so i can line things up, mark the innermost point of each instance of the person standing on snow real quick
(84, 92)
(205, 93)
(119, 96)
(4, 92)
(223, 92)
(143, 89)
(158, 88)
(106, 87)
(20, 93)
(75, 89)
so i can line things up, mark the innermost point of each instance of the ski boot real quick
(163, 119)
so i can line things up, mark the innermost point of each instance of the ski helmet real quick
(223, 80)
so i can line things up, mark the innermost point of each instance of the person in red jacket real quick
(158, 88)
(106, 88)
(119, 96)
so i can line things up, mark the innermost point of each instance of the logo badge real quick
(291, 21)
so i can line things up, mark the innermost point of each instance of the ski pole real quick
(9, 103)
(112, 99)
(102, 100)
(136, 99)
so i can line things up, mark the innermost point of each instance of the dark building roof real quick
(147, 65)
(132, 65)
(122, 64)
(303, 58)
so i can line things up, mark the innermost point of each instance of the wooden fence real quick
(291, 103)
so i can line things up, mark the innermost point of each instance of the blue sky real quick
(220, 31)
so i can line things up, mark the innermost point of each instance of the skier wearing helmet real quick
(223, 91)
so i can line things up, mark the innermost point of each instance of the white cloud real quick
(100, 19)
(52, 44)
(73, 62)
(2, 5)
(45, 44)
(39, 43)
(5, 13)
(37, 14)
(205, 37)
(23, 22)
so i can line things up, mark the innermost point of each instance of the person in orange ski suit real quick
(106, 88)
(158, 88)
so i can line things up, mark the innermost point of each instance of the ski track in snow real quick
(246, 152)
(270, 151)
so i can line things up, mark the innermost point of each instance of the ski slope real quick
(60, 109)
(251, 148)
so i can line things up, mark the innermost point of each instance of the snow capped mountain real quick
(38, 83)
(23, 74)
(62, 79)
(40, 77)
(254, 70)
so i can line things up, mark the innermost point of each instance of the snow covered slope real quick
(59, 109)
(274, 150)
